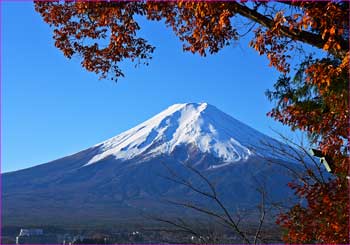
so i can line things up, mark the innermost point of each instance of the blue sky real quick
(51, 107)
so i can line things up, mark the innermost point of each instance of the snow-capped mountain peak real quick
(198, 124)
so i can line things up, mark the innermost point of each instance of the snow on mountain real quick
(199, 124)
(117, 178)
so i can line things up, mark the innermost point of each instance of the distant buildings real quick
(69, 239)
(35, 236)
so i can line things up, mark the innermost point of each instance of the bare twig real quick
(225, 218)
(262, 216)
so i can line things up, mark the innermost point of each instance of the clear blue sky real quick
(51, 107)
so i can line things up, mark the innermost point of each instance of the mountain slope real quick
(119, 177)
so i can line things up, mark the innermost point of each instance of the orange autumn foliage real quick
(325, 219)
(104, 34)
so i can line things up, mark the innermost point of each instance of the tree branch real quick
(262, 217)
(295, 34)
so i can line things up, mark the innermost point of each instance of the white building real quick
(31, 232)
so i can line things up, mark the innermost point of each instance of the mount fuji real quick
(115, 180)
